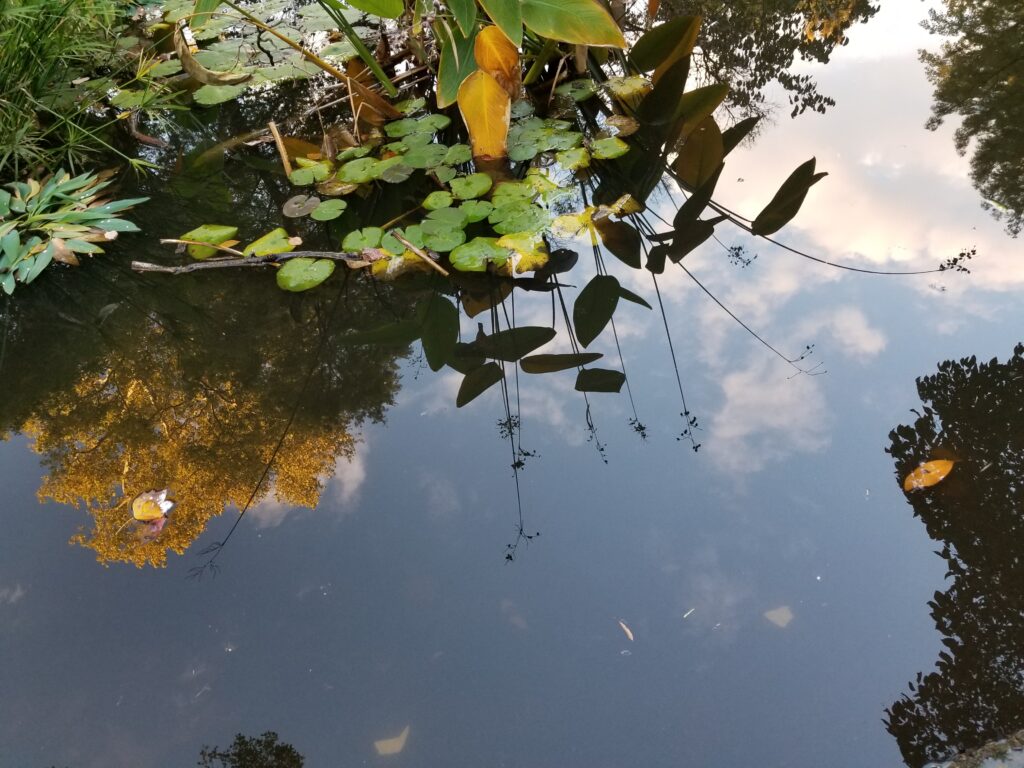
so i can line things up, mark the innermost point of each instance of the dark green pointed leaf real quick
(693, 235)
(402, 333)
(787, 201)
(621, 239)
(552, 363)
(464, 12)
(303, 274)
(665, 44)
(512, 344)
(731, 137)
(440, 331)
(630, 296)
(697, 202)
(389, 9)
(600, 380)
(659, 106)
(477, 382)
(457, 63)
(594, 307)
(507, 14)
(698, 104)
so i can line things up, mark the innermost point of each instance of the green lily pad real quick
(367, 237)
(475, 255)
(445, 173)
(358, 171)
(403, 127)
(522, 108)
(426, 156)
(577, 90)
(519, 216)
(303, 274)
(608, 149)
(275, 241)
(443, 240)
(393, 170)
(310, 171)
(458, 154)
(508, 191)
(328, 209)
(352, 153)
(436, 200)
(476, 210)
(208, 95)
(208, 233)
(469, 187)
(523, 150)
(573, 159)
(450, 217)
(414, 234)
(299, 205)
(410, 106)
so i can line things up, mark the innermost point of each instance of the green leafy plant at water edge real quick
(56, 219)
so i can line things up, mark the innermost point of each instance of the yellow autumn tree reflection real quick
(199, 410)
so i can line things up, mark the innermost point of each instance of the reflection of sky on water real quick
(390, 605)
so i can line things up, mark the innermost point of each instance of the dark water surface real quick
(775, 583)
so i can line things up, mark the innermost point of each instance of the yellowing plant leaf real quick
(627, 630)
(780, 616)
(529, 252)
(486, 110)
(392, 746)
(583, 22)
(928, 474)
(497, 56)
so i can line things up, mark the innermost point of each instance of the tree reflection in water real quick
(263, 751)
(973, 413)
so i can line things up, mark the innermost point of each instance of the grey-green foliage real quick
(55, 219)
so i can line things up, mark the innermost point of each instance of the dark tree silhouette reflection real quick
(973, 413)
(252, 752)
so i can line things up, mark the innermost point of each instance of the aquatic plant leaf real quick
(425, 156)
(360, 239)
(310, 173)
(609, 148)
(456, 64)
(275, 241)
(628, 295)
(214, 234)
(476, 210)
(485, 109)
(358, 171)
(438, 199)
(629, 89)
(393, 170)
(413, 234)
(151, 505)
(553, 363)
(665, 43)
(472, 186)
(621, 239)
(499, 57)
(389, 9)
(573, 159)
(303, 274)
(787, 201)
(507, 15)
(442, 239)
(464, 12)
(529, 251)
(449, 217)
(518, 216)
(299, 205)
(691, 236)
(411, 106)
(577, 90)
(691, 210)
(701, 154)
(928, 474)
(583, 22)
(440, 331)
(697, 104)
(628, 632)
(475, 255)
(594, 307)
(458, 154)
(328, 209)
(478, 381)
(600, 380)
(731, 137)
(209, 95)
(623, 125)
(511, 344)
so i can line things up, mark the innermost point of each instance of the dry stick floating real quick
(433, 264)
(353, 260)
(285, 162)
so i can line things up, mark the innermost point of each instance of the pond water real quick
(762, 600)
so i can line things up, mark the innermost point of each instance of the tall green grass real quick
(45, 45)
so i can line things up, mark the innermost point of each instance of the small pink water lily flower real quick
(151, 505)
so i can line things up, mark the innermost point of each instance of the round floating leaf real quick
(608, 149)
(275, 241)
(300, 177)
(207, 233)
(623, 125)
(435, 122)
(333, 186)
(477, 382)
(394, 170)
(577, 90)
(519, 216)
(329, 209)
(469, 187)
(573, 159)
(452, 217)
(523, 150)
(426, 156)
(552, 363)
(928, 474)
(299, 205)
(436, 200)
(522, 108)
(358, 171)
(410, 106)
(443, 240)
(458, 154)
(594, 307)
(445, 173)
(475, 255)
(413, 234)
(476, 210)
(508, 191)
(303, 274)
(352, 153)
(600, 380)
(208, 95)
(367, 237)
(399, 128)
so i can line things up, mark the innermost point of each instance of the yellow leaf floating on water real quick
(392, 746)
(928, 474)
(627, 630)
(780, 616)
(486, 109)
(151, 505)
